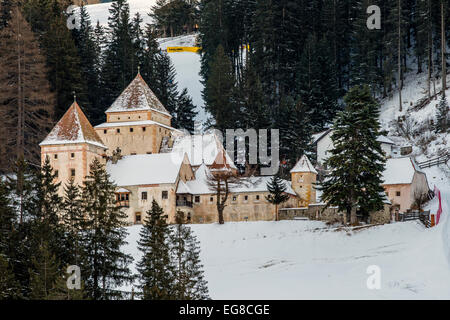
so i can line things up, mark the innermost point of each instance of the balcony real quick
(184, 203)
(123, 203)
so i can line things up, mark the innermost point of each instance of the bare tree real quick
(443, 45)
(26, 102)
(221, 179)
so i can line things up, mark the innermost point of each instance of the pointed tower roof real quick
(304, 165)
(137, 97)
(73, 127)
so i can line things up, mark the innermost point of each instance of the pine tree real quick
(9, 288)
(72, 218)
(27, 103)
(188, 274)
(165, 85)
(442, 118)
(357, 160)
(45, 273)
(156, 270)
(119, 65)
(89, 52)
(278, 195)
(105, 265)
(218, 91)
(185, 112)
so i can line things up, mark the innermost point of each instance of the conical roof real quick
(137, 97)
(73, 127)
(304, 165)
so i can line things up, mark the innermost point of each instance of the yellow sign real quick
(183, 49)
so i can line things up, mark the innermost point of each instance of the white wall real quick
(323, 147)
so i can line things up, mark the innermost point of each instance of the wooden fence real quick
(423, 217)
(434, 162)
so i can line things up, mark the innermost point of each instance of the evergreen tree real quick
(278, 195)
(9, 288)
(105, 265)
(156, 270)
(88, 44)
(188, 274)
(185, 112)
(357, 160)
(442, 118)
(218, 91)
(165, 86)
(120, 65)
(72, 218)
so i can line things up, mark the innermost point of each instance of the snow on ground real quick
(100, 11)
(307, 260)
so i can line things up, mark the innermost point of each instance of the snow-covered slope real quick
(307, 260)
(100, 11)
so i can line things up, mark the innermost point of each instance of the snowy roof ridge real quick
(304, 165)
(73, 127)
(137, 96)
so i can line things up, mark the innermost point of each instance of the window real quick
(234, 198)
(137, 217)
(165, 195)
(397, 193)
(72, 172)
(56, 173)
(131, 129)
(149, 152)
(257, 197)
(211, 199)
(133, 153)
(118, 130)
(105, 131)
(72, 155)
(245, 198)
(197, 199)
(55, 156)
(128, 117)
(143, 128)
(144, 195)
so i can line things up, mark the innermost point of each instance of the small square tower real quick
(303, 176)
(71, 146)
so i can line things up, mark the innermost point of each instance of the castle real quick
(162, 163)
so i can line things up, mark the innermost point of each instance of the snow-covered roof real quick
(248, 184)
(122, 190)
(384, 139)
(318, 136)
(304, 165)
(201, 148)
(399, 171)
(133, 123)
(144, 169)
(73, 127)
(137, 97)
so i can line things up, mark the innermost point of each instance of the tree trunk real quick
(276, 213)
(353, 219)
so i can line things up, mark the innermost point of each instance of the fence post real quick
(432, 221)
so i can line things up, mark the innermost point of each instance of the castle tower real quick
(136, 122)
(72, 145)
(303, 175)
